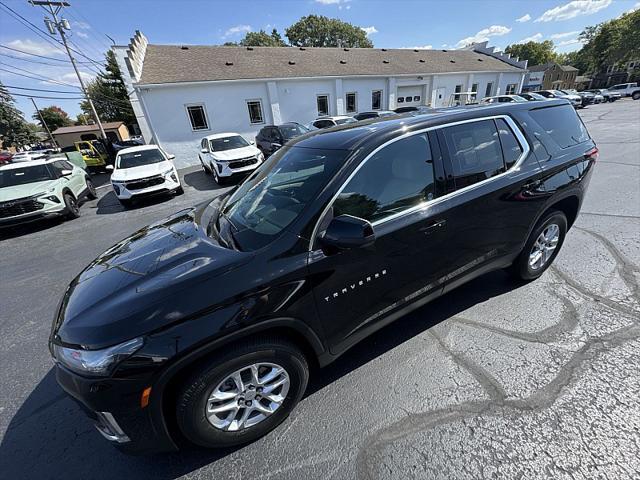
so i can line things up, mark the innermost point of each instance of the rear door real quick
(358, 290)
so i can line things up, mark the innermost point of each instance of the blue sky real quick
(390, 24)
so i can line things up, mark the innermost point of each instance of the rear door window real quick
(562, 124)
(511, 149)
(475, 152)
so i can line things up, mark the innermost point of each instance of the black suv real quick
(272, 137)
(203, 326)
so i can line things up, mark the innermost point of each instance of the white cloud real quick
(484, 35)
(634, 8)
(558, 36)
(238, 29)
(571, 41)
(332, 2)
(81, 25)
(422, 47)
(370, 30)
(533, 38)
(38, 48)
(525, 18)
(82, 34)
(573, 9)
(73, 79)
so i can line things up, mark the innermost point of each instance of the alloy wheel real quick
(247, 396)
(544, 246)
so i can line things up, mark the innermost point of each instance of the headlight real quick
(96, 362)
(260, 157)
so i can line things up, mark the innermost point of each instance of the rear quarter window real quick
(562, 124)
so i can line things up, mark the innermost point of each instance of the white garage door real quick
(409, 96)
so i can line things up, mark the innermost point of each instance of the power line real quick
(36, 55)
(39, 77)
(50, 98)
(31, 60)
(40, 90)
(34, 28)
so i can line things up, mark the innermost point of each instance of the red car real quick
(5, 156)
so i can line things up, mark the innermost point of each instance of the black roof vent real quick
(249, 48)
(385, 61)
(346, 49)
(384, 49)
(416, 50)
(422, 60)
(444, 50)
(343, 62)
(228, 64)
(302, 48)
(184, 47)
(480, 60)
(452, 61)
(291, 62)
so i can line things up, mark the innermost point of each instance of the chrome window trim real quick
(526, 149)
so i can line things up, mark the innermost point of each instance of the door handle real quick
(433, 226)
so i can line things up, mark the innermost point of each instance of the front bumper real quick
(236, 167)
(30, 210)
(150, 185)
(114, 406)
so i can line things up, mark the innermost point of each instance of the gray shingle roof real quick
(545, 66)
(173, 63)
(86, 128)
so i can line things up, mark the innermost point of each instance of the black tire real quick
(126, 203)
(194, 394)
(179, 191)
(217, 178)
(521, 268)
(72, 210)
(91, 190)
(635, 95)
(207, 170)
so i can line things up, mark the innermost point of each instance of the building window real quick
(255, 111)
(458, 90)
(416, 98)
(323, 104)
(489, 89)
(474, 90)
(400, 99)
(197, 117)
(511, 88)
(351, 103)
(376, 100)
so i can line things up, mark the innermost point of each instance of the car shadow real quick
(50, 437)
(201, 181)
(109, 203)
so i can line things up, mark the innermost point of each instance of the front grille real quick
(243, 162)
(144, 182)
(19, 207)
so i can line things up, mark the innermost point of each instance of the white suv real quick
(626, 90)
(144, 170)
(228, 154)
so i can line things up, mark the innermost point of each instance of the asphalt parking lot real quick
(495, 380)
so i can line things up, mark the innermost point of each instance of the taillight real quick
(592, 154)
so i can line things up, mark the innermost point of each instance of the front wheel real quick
(72, 210)
(242, 393)
(635, 95)
(217, 178)
(542, 246)
(91, 190)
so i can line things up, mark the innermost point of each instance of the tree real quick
(321, 31)
(84, 119)
(53, 116)
(537, 53)
(109, 94)
(14, 129)
(262, 39)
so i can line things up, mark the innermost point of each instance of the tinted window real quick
(292, 130)
(60, 166)
(397, 177)
(511, 149)
(475, 152)
(376, 100)
(20, 176)
(197, 117)
(139, 158)
(228, 143)
(342, 121)
(273, 197)
(323, 124)
(562, 124)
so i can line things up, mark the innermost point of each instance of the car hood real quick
(27, 190)
(162, 274)
(134, 173)
(236, 153)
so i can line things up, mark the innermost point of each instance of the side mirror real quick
(66, 173)
(171, 157)
(252, 142)
(346, 231)
(204, 150)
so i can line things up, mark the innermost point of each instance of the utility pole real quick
(44, 124)
(54, 7)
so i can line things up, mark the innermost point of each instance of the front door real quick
(356, 290)
(438, 99)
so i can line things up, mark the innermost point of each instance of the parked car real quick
(607, 95)
(139, 139)
(42, 188)
(532, 96)
(416, 110)
(27, 156)
(5, 156)
(228, 155)
(271, 137)
(203, 326)
(373, 114)
(588, 98)
(121, 144)
(93, 152)
(626, 90)
(504, 99)
(328, 122)
(575, 100)
(142, 171)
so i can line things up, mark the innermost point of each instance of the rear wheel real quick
(242, 393)
(71, 206)
(542, 246)
(635, 95)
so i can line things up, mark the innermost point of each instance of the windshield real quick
(228, 143)
(276, 194)
(342, 121)
(20, 176)
(140, 158)
(291, 131)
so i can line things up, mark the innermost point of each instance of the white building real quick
(183, 93)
